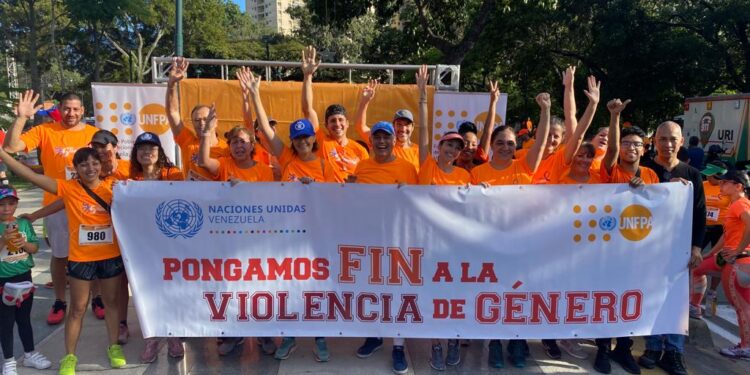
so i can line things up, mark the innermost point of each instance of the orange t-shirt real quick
(293, 168)
(166, 174)
(92, 235)
(228, 168)
(518, 173)
(716, 204)
(597, 163)
(398, 171)
(621, 176)
(343, 159)
(122, 172)
(565, 179)
(733, 225)
(410, 154)
(554, 163)
(431, 174)
(190, 146)
(57, 145)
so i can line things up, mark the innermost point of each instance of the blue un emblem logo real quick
(608, 223)
(127, 118)
(179, 217)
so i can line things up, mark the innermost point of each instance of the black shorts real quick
(98, 269)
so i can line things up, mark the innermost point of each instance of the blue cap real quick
(148, 137)
(382, 126)
(301, 128)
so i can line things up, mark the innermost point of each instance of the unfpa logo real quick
(634, 223)
(179, 218)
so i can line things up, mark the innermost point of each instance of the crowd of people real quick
(81, 164)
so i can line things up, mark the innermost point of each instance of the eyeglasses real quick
(628, 144)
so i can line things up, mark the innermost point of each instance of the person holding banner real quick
(57, 141)
(300, 162)
(384, 167)
(17, 243)
(94, 253)
(475, 150)
(403, 123)
(666, 351)
(240, 166)
(439, 172)
(340, 153)
(188, 141)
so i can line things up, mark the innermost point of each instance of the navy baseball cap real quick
(301, 128)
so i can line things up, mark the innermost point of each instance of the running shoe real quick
(495, 357)
(267, 345)
(695, 312)
(516, 353)
(9, 367)
(287, 347)
(97, 307)
(400, 366)
(551, 349)
(650, 359)
(601, 363)
(57, 313)
(116, 357)
(625, 358)
(123, 334)
(573, 348)
(736, 352)
(321, 350)
(371, 345)
(436, 359)
(175, 348)
(453, 358)
(229, 344)
(150, 351)
(673, 363)
(68, 365)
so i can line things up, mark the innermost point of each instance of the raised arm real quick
(422, 77)
(25, 110)
(204, 155)
(275, 145)
(534, 156)
(309, 66)
(576, 138)
(46, 183)
(569, 100)
(489, 121)
(247, 113)
(615, 107)
(368, 93)
(176, 74)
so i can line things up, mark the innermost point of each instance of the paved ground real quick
(202, 357)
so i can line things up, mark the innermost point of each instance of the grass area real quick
(18, 183)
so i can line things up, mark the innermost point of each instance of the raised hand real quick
(544, 101)
(615, 106)
(26, 106)
(309, 63)
(243, 75)
(422, 78)
(368, 93)
(179, 69)
(494, 92)
(568, 76)
(593, 92)
(212, 122)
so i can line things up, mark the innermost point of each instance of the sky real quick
(241, 3)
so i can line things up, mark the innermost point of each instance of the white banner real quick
(128, 110)
(265, 259)
(450, 108)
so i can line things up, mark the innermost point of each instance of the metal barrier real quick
(444, 77)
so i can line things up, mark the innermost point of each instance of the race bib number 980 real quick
(95, 235)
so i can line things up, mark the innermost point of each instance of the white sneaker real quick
(736, 352)
(36, 360)
(573, 348)
(9, 367)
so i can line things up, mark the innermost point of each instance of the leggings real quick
(738, 296)
(21, 316)
(699, 280)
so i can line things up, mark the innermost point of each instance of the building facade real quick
(273, 13)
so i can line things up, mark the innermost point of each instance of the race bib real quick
(195, 176)
(8, 255)
(712, 214)
(95, 235)
(70, 173)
